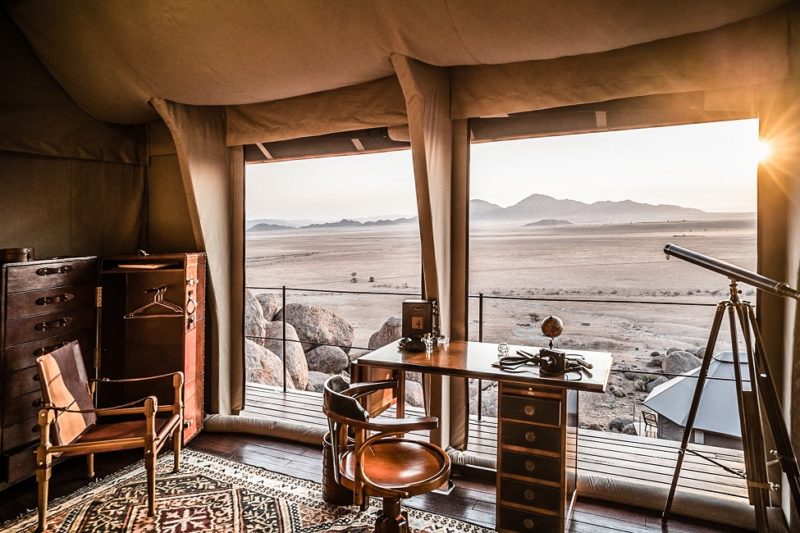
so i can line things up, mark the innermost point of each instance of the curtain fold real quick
(212, 176)
(427, 94)
(746, 53)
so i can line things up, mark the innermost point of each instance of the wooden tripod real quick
(762, 396)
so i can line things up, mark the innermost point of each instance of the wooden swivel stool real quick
(384, 464)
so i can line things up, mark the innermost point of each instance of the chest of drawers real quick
(43, 304)
(536, 458)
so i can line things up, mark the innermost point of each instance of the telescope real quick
(733, 272)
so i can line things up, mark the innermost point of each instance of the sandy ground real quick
(601, 263)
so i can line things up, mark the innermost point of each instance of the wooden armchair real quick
(385, 464)
(80, 429)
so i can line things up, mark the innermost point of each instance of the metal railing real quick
(482, 298)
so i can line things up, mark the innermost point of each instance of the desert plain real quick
(610, 283)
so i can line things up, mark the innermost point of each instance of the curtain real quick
(212, 179)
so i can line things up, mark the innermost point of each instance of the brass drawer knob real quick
(529, 494)
(530, 436)
(529, 410)
(530, 466)
(528, 523)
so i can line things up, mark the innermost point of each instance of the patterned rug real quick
(214, 494)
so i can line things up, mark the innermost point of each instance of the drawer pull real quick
(60, 299)
(38, 402)
(47, 349)
(36, 377)
(530, 466)
(530, 436)
(530, 494)
(58, 323)
(528, 523)
(529, 410)
(46, 271)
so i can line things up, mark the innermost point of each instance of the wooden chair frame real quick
(151, 442)
(345, 416)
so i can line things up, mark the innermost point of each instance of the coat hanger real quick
(158, 303)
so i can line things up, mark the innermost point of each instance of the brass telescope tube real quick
(733, 272)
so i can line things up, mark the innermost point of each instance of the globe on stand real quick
(552, 327)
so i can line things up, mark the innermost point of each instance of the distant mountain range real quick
(535, 210)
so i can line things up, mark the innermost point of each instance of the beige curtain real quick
(427, 94)
(374, 104)
(779, 248)
(212, 179)
(750, 52)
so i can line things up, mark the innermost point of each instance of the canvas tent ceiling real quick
(112, 60)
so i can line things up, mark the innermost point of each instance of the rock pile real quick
(318, 343)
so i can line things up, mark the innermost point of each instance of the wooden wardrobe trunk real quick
(142, 338)
(45, 304)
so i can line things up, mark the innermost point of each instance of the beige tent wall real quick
(68, 206)
(69, 184)
(212, 177)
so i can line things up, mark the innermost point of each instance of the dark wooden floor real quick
(472, 499)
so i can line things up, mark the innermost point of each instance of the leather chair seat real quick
(399, 464)
(127, 429)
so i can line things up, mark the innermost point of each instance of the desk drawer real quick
(514, 520)
(530, 494)
(530, 436)
(21, 382)
(530, 465)
(24, 355)
(33, 328)
(22, 407)
(54, 300)
(528, 409)
(20, 434)
(53, 274)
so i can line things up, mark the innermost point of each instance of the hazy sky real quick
(707, 166)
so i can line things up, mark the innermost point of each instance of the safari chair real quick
(80, 429)
(386, 464)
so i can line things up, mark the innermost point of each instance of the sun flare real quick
(763, 151)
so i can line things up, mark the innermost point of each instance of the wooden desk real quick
(537, 424)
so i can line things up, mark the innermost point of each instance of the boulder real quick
(679, 362)
(629, 429)
(316, 380)
(630, 376)
(700, 353)
(656, 361)
(654, 354)
(619, 423)
(295, 358)
(316, 326)
(253, 318)
(327, 359)
(673, 349)
(655, 383)
(263, 366)
(488, 400)
(389, 332)
(270, 304)
(617, 391)
(414, 395)
(414, 376)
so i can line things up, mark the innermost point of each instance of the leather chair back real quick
(65, 384)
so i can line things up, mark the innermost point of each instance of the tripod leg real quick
(772, 408)
(698, 392)
(750, 423)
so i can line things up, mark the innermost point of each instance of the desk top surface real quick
(474, 360)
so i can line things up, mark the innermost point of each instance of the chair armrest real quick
(133, 380)
(399, 425)
(128, 407)
(360, 389)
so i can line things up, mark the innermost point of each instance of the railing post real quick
(480, 339)
(283, 307)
